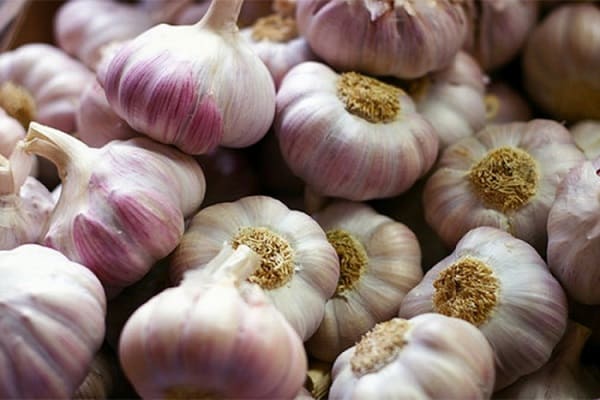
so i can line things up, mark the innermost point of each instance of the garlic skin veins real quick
(213, 336)
(194, 86)
(121, 207)
(429, 356)
(349, 135)
(52, 312)
(380, 261)
(586, 134)
(299, 268)
(501, 285)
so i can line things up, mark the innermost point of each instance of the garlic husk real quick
(574, 234)
(299, 268)
(586, 134)
(194, 86)
(121, 207)
(504, 176)
(52, 312)
(215, 335)
(563, 377)
(100, 380)
(429, 356)
(404, 39)
(350, 135)
(380, 261)
(11, 131)
(501, 285)
(505, 104)
(318, 378)
(561, 67)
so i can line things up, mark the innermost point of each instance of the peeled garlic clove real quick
(11, 131)
(587, 137)
(504, 104)
(380, 261)
(213, 336)
(501, 285)
(52, 312)
(429, 356)
(121, 207)
(299, 268)
(349, 135)
(405, 39)
(505, 176)
(194, 86)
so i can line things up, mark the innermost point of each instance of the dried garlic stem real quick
(238, 263)
(18, 103)
(353, 259)
(369, 98)
(222, 15)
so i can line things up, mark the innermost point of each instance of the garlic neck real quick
(222, 15)
(353, 259)
(14, 171)
(18, 103)
(275, 28)
(237, 264)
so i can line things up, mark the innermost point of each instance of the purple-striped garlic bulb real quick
(194, 86)
(216, 335)
(380, 261)
(11, 131)
(505, 104)
(452, 99)
(573, 235)
(52, 312)
(501, 285)
(586, 134)
(429, 356)
(350, 135)
(121, 207)
(299, 268)
(43, 84)
(504, 176)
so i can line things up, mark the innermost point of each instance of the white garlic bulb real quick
(429, 356)
(586, 134)
(500, 284)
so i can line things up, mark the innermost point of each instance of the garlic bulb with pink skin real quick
(504, 104)
(121, 207)
(11, 131)
(574, 235)
(429, 356)
(216, 335)
(586, 134)
(404, 39)
(194, 86)
(501, 285)
(52, 312)
(349, 135)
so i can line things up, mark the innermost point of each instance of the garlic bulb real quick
(380, 261)
(43, 84)
(52, 312)
(299, 268)
(121, 207)
(213, 336)
(573, 236)
(561, 64)
(563, 377)
(349, 135)
(586, 134)
(504, 104)
(452, 99)
(11, 131)
(405, 39)
(501, 285)
(193, 86)
(505, 176)
(430, 356)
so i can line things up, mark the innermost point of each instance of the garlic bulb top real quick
(586, 134)
(380, 261)
(11, 131)
(250, 12)
(193, 86)
(505, 176)
(504, 104)
(500, 284)
(299, 268)
(43, 83)
(349, 135)
(429, 356)
(121, 207)
(52, 312)
(405, 39)
(213, 336)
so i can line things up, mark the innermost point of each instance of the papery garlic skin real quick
(574, 235)
(586, 134)
(52, 313)
(504, 104)
(471, 187)
(299, 269)
(100, 380)
(429, 356)
(340, 153)
(502, 285)
(380, 261)
(406, 39)
(11, 131)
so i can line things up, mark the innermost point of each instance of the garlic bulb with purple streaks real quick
(52, 323)
(501, 285)
(586, 134)
(194, 86)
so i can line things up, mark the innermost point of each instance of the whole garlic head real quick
(500, 284)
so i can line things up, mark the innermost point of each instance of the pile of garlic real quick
(302, 199)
